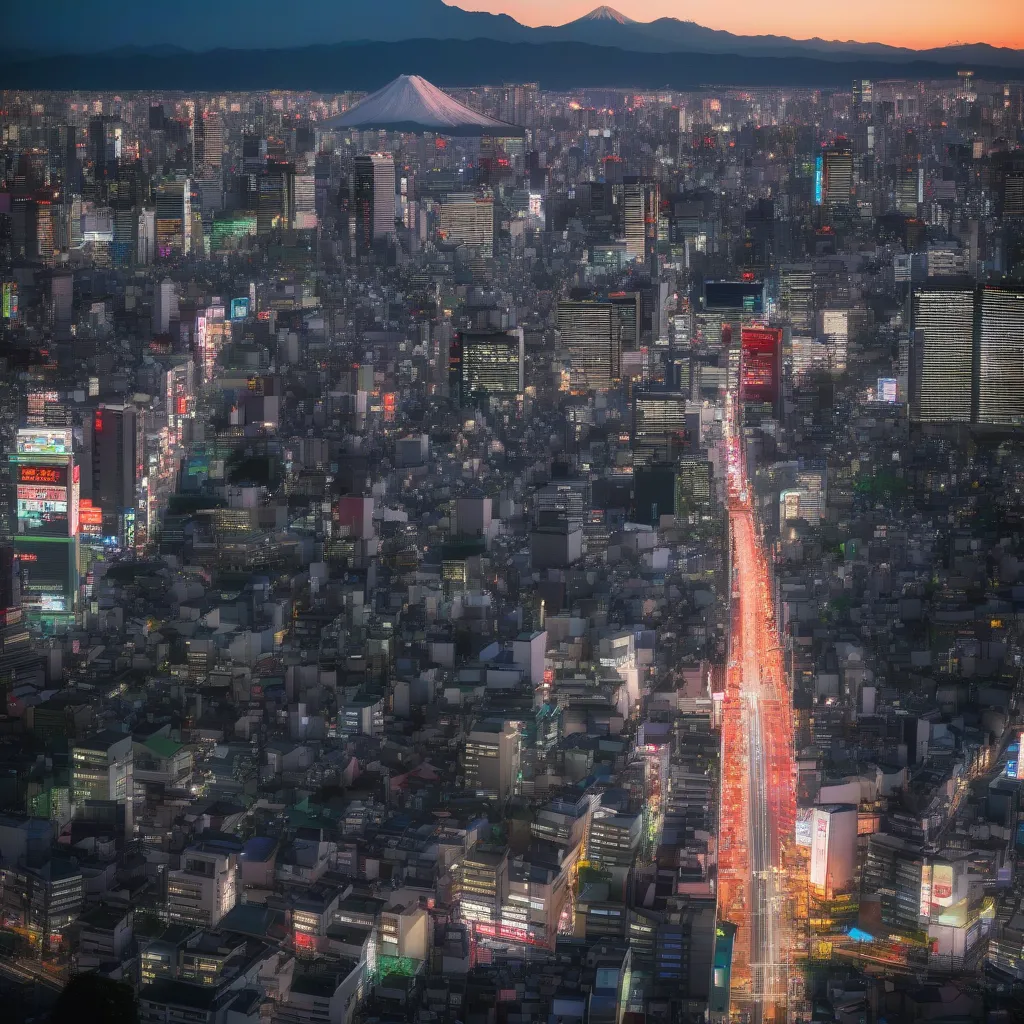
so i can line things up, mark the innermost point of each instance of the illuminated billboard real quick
(819, 177)
(942, 885)
(90, 518)
(42, 441)
(888, 390)
(49, 576)
(240, 308)
(761, 349)
(51, 475)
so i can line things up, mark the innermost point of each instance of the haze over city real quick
(511, 516)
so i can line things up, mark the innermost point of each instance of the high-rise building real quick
(837, 170)
(47, 482)
(62, 301)
(835, 329)
(641, 202)
(374, 196)
(796, 298)
(486, 363)
(833, 848)
(492, 760)
(591, 331)
(209, 142)
(1000, 356)
(275, 203)
(661, 429)
(165, 306)
(102, 770)
(909, 189)
(942, 353)
(174, 219)
(114, 469)
(468, 219)
(629, 307)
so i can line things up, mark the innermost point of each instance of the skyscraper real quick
(660, 431)
(173, 218)
(838, 181)
(47, 479)
(114, 468)
(942, 354)
(486, 363)
(592, 333)
(1000, 356)
(641, 201)
(374, 197)
(468, 219)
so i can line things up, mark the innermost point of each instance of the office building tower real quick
(374, 195)
(591, 332)
(942, 353)
(114, 449)
(641, 203)
(891, 884)
(62, 301)
(760, 364)
(469, 220)
(862, 98)
(486, 362)
(304, 202)
(482, 884)
(42, 901)
(275, 201)
(205, 887)
(910, 189)
(145, 241)
(1000, 383)
(165, 306)
(796, 298)
(209, 138)
(838, 181)
(174, 219)
(102, 771)
(492, 760)
(628, 307)
(835, 329)
(654, 492)
(661, 427)
(614, 839)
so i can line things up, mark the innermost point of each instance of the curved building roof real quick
(411, 104)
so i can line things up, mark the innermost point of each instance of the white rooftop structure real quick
(411, 104)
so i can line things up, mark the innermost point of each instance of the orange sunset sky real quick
(915, 23)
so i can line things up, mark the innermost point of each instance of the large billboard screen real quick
(761, 359)
(240, 308)
(47, 574)
(43, 441)
(56, 476)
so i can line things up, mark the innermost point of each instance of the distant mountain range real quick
(125, 35)
(368, 66)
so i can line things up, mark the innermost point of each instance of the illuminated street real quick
(758, 765)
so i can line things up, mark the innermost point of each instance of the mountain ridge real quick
(108, 25)
(451, 63)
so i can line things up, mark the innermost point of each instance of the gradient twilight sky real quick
(916, 23)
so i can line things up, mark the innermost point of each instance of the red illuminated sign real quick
(761, 355)
(42, 475)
